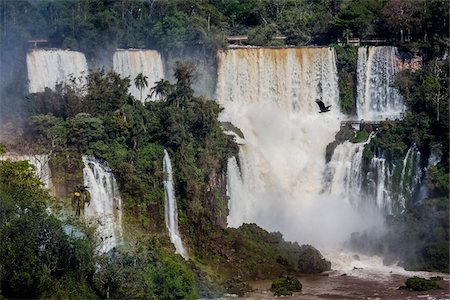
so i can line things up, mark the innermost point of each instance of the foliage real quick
(39, 259)
(251, 253)
(360, 137)
(149, 273)
(416, 283)
(286, 286)
(346, 59)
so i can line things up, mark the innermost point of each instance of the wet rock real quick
(311, 261)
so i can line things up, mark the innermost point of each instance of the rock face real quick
(311, 261)
(215, 196)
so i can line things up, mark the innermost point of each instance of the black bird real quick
(322, 106)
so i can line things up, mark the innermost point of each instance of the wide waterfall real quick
(377, 98)
(278, 179)
(46, 68)
(171, 208)
(105, 208)
(131, 62)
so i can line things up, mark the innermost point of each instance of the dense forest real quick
(102, 119)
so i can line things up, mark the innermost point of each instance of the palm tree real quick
(141, 82)
(161, 89)
(347, 34)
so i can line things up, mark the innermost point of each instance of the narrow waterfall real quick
(277, 180)
(377, 98)
(131, 62)
(105, 208)
(171, 208)
(46, 68)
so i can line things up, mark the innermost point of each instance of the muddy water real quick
(337, 286)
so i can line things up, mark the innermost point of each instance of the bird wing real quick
(321, 105)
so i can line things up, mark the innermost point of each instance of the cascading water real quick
(270, 95)
(171, 208)
(105, 208)
(344, 173)
(377, 98)
(46, 68)
(131, 62)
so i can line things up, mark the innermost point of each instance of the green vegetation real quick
(346, 59)
(286, 286)
(360, 136)
(39, 258)
(89, 25)
(421, 284)
(105, 121)
(251, 253)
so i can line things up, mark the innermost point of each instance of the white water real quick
(344, 171)
(131, 62)
(105, 208)
(46, 68)
(377, 99)
(171, 208)
(270, 95)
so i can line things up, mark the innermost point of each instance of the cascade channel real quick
(131, 62)
(105, 208)
(46, 68)
(171, 213)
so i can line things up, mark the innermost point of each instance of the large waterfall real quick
(131, 62)
(46, 68)
(105, 208)
(171, 208)
(278, 179)
(377, 98)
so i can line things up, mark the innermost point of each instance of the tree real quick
(141, 82)
(161, 89)
(402, 16)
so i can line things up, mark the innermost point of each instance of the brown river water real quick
(355, 277)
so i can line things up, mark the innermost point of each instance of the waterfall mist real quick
(270, 95)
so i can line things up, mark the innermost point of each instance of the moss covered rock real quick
(286, 286)
(311, 261)
(416, 283)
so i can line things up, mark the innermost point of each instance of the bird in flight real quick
(322, 106)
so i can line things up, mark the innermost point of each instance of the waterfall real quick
(171, 208)
(377, 98)
(46, 68)
(277, 180)
(131, 62)
(344, 173)
(105, 207)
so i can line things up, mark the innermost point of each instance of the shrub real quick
(286, 286)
